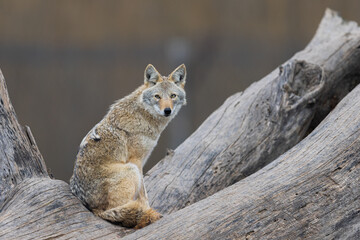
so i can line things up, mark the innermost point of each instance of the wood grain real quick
(42, 208)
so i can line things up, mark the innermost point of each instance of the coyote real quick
(108, 171)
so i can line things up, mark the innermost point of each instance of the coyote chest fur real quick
(108, 175)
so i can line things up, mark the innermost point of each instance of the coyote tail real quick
(130, 215)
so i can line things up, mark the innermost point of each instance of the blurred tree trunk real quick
(311, 191)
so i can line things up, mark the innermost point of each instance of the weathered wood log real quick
(310, 192)
(34, 206)
(253, 128)
(20, 157)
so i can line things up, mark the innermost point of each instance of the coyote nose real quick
(167, 112)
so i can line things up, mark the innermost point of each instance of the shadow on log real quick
(311, 191)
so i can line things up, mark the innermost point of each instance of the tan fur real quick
(108, 175)
(165, 103)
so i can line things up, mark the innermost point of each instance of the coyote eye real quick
(173, 95)
(157, 96)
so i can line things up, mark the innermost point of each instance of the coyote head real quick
(164, 96)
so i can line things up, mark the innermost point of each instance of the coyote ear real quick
(151, 75)
(179, 75)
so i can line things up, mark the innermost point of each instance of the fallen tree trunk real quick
(250, 130)
(33, 206)
(253, 128)
(310, 192)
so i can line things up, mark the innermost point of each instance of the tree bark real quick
(310, 191)
(253, 128)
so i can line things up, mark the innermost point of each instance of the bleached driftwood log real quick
(310, 191)
(253, 128)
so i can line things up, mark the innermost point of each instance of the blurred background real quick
(66, 61)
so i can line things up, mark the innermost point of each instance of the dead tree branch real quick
(253, 128)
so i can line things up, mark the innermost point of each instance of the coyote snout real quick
(166, 106)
